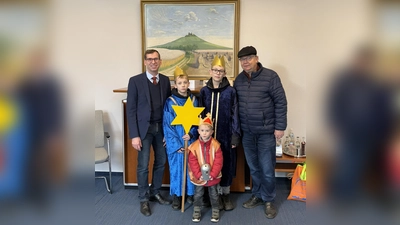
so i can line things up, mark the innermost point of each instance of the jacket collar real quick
(224, 83)
(256, 73)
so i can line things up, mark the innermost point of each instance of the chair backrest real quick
(98, 129)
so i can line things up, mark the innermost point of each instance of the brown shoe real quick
(252, 202)
(270, 210)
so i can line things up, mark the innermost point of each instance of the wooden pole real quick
(184, 177)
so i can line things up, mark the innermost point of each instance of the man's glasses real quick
(247, 58)
(152, 59)
(218, 71)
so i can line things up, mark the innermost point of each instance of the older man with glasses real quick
(263, 120)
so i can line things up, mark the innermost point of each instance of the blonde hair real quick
(182, 76)
(208, 125)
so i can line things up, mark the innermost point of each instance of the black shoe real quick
(145, 208)
(176, 203)
(228, 205)
(158, 198)
(270, 210)
(252, 202)
(190, 199)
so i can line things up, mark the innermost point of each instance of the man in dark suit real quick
(147, 93)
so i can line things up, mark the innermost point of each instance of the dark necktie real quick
(154, 80)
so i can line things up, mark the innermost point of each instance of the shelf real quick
(285, 167)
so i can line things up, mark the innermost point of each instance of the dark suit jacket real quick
(138, 106)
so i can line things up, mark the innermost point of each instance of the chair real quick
(101, 154)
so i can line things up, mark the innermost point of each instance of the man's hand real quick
(279, 134)
(164, 142)
(137, 143)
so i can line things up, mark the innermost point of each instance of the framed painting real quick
(189, 34)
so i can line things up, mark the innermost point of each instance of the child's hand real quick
(201, 178)
(186, 137)
(181, 150)
(210, 178)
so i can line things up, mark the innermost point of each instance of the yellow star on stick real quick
(187, 115)
(8, 115)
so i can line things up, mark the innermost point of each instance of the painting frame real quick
(189, 34)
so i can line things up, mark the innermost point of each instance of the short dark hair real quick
(151, 51)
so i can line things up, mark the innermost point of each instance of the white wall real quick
(297, 39)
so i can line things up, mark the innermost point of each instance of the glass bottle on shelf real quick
(278, 142)
(291, 137)
(279, 149)
(298, 145)
(286, 141)
(303, 147)
(286, 144)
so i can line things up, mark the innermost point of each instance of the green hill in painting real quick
(189, 43)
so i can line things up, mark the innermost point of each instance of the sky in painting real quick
(203, 20)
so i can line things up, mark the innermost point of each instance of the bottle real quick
(278, 142)
(303, 147)
(286, 144)
(291, 137)
(279, 148)
(298, 146)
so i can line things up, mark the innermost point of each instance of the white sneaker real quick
(196, 214)
(214, 220)
(215, 215)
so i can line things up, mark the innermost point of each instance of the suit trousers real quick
(154, 137)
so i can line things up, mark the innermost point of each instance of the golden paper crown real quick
(178, 71)
(218, 61)
(206, 121)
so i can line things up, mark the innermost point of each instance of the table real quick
(288, 163)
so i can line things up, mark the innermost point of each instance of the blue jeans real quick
(260, 152)
(153, 137)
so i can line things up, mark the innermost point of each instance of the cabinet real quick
(130, 162)
(287, 163)
(283, 164)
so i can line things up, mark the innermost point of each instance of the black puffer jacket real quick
(262, 101)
